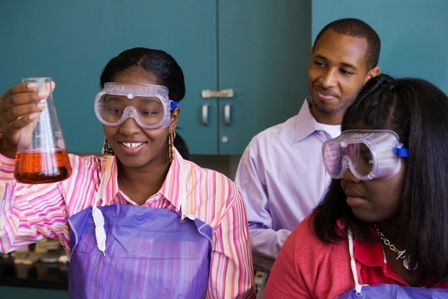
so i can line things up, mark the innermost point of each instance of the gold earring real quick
(107, 150)
(171, 137)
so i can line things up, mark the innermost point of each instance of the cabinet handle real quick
(205, 114)
(226, 93)
(227, 114)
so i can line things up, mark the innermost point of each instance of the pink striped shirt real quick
(29, 213)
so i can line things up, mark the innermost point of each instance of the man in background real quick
(281, 173)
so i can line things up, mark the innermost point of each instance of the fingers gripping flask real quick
(41, 154)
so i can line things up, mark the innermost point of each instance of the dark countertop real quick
(37, 275)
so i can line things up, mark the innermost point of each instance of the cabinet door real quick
(263, 56)
(72, 41)
(263, 51)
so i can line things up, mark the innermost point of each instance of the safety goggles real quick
(370, 154)
(147, 104)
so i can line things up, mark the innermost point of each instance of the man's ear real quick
(372, 73)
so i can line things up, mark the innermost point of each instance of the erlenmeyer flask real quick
(41, 154)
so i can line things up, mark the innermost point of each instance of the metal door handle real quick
(205, 114)
(226, 93)
(227, 114)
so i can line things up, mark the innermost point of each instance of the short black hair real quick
(357, 28)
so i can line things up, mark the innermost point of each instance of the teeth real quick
(132, 145)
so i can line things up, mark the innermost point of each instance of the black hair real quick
(357, 28)
(415, 109)
(181, 146)
(157, 62)
(162, 65)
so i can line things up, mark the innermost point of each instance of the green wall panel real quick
(413, 33)
(72, 41)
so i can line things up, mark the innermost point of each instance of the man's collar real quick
(306, 124)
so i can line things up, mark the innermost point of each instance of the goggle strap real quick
(401, 151)
(174, 104)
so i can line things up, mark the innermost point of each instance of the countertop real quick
(37, 275)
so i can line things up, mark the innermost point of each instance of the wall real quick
(72, 41)
(220, 44)
(413, 33)
(413, 36)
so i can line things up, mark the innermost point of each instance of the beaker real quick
(41, 153)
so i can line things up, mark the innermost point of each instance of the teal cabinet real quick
(258, 48)
(262, 55)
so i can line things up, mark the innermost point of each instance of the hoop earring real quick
(171, 137)
(107, 150)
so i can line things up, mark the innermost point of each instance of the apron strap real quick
(98, 218)
(100, 232)
(358, 287)
(183, 190)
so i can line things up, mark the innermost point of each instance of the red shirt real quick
(308, 268)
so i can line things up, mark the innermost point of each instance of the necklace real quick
(401, 253)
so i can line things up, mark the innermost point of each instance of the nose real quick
(349, 176)
(129, 126)
(328, 78)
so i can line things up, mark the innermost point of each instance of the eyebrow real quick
(349, 65)
(114, 98)
(121, 98)
(150, 99)
(343, 64)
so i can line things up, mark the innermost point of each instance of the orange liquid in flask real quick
(42, 167)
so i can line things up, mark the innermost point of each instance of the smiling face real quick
(134, 146)
(336, 72)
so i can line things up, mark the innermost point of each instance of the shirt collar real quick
(108, 187)
(174, 182)
(370, 254)
(169, 189)
(307, 124)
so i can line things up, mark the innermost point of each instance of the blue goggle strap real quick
(401, 151)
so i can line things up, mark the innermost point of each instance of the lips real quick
(353, 193)
(132, 144)
(354, 198)
(324, 95)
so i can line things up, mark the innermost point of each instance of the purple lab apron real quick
(149, 253)
(386, 291)
(389, 291)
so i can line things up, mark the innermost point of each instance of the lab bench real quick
(38, 280)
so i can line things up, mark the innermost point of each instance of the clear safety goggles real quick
(147, 104)
(370, 154)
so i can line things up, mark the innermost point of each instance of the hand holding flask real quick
(41, 154)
